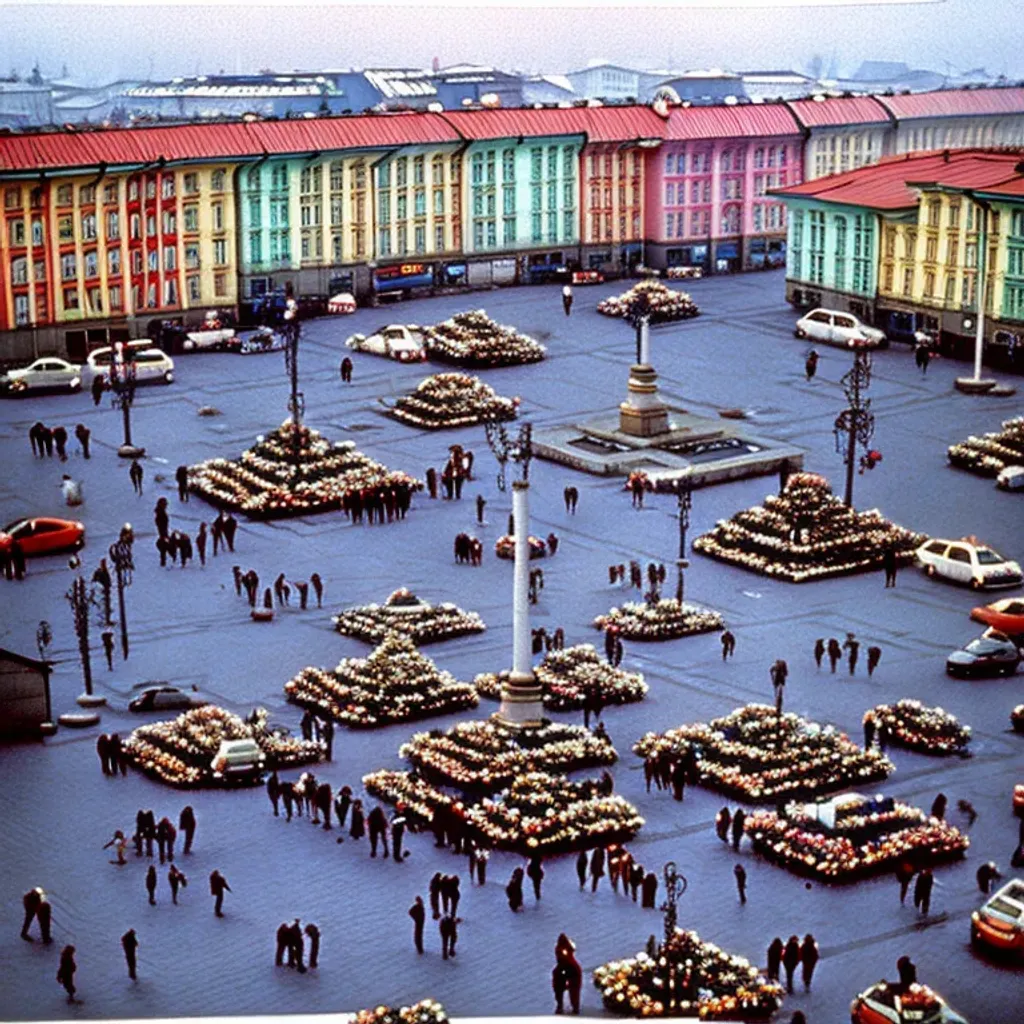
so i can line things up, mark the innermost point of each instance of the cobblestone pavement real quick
(188, 627)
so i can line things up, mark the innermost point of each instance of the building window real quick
(153, 260)
(19, 270)
(190, 183)
(217, 181)
(220, 285)
(65, 197)
(39, 270)
(908, 282)
(16, 232)
(170, 224)
(218, 216)
(171, 292)
(420, 203)
(192, 256)
(113, 226)
(167, 187)
(420, 237)
(113, 262)
(418, 168)
(437, 170)
(88, 227)
(71, 298)
(220, 252)
(151, 225)
(114, 297)
(256, 246)
(439, 238)
(536, 163)
(12, 198)
(401, 172)
(136, 263)
(192, 283)
(68, 267)
(536, 228)
(385, 241)
(931, 249)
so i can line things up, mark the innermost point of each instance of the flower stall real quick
(911, 724)
(665, 619)
(807, 533)
(665, 304)
(474, 340)
(755, 755)
(180, 752)
(567, 675)
(396, 683)
(687, 977)
(505, 547)
(989, 454)
(426, 1011)
(537, 813)
(263, 484)
(852, 837)
(446, 400)
(403, 612)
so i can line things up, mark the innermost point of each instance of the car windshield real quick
(1001, 906)
(18, 526)
(986, 556)
(1013, 608)
(985, 645)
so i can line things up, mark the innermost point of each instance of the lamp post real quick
(121, 558)
(675, 886)
(855, 425)
(296, 400)
(81, 599)
(976, 384)
(122, 386)
(684, 497)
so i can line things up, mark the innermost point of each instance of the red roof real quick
(839, 110)
(954, 102)
(887, 185)
(755, 119)
(599, 124)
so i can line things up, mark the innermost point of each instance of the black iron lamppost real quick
(684, 497)
(855, 425)
(81, 600)
(121, 558)
(122, 385)
(296, 400)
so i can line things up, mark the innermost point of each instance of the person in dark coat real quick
(874, 657)
(907, 970)
(923, 891)
(514, 890)
(811, 365)
(314, 944)
(418, 914)
(346, 370)
(218, 886)
(809, 957)
(596, 867)
(176, 878)
(103, 750)
(819, 651)
(97, 389)
(284, 938)
(869, 730)
(567, 975)
(323, 803)
(83, 435)
(581, 867)
(378, 826)
(130, 945)
(835, 653)
(46, 440)
(60, 442)
(187, 824)
(791, 960)
(939, 807)
(904, 875)
(151, 884)
(230, 528)
(107, 639)
(398, 825)
(148, 830)
(741, 882)
(535, 872)
(723, 819)
(449, 929)
(342, 802)
(649, 890)
(775, 958)
(358, 827)
(318, 588)
(66, 971)
(986, 875)
(274, 790)
(728, 644)
(678, 780)
(31, 901)
(435, 894)
(852, 647)
(738, 821)
(636, 879)
(161, 518)
(890, 563)
(181, 478)
(201, 543)
(431, 477)
(296, 947)
(166, 834)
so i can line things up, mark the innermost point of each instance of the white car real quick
(970, 562)
(1011, 479)
(404, 342)
(238, 761)
(207, 338)
(835, 328)
(343, 302)
(151, 364)
(48, 372)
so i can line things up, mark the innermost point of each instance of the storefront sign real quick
(403, 275)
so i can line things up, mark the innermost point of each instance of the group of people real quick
(468, 549)
(379, 504)
(113, 757)
(671, 771)
(457, 470)
(791, 955)
(45, 440)
(621, 868)
(656, 574)
(177, 545)
(851, 647)
(249, 581)
(291, 945)
(543, 641)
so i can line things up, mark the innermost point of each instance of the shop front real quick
(402, 277)
(727, 257)
(687, 256)
(454, 275)
(546, 267)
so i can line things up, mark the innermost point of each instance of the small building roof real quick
(839, 111)
(747, 121)
(955, 102)
(22, 659)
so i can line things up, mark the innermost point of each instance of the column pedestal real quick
(643, 414)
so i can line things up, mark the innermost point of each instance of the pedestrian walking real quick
(66, 972)
(201, 543)
(218, 886)
(811, 365)
(567, 975)
(905, 872)
(314, 944)
(923, 891)
(723, 820)
(418, 914)
(819, 651)
(596, 867)
(83, 436)
(514, 890)
(567, 299)
(187, 824)
(581, 867)
(31, 901)
(358, 827)
(130, 945)
(835, 653)
(318, 588)
(890, 563)
(135, 473)
(986, 875)
(809, 957)
(852, 647)
(738, 821)
(377, 823)
(775, 958)
(791, 960)
(649, 890)
(449, 929)
(741, 882)
(967, 808)
(939, 807)
(869, 729)
(346, 370)
(327, 737)
(161, 518)
(181, 478)
(922, 355)
(535, 872)
(107, 637)
(728, 644)
(97, 389)
(176, 878)
(874, 657)
(230, 528)
(60, 442)
(151, 884)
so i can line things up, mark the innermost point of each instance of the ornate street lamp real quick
(81, 600)
(675, 886)
(684, 497)
(122, 386)
(855, 425)
(121, 558)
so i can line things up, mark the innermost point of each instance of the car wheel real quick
(75, 385)
(929, 570)
(975, 584)
(799, 332)
(168, 377)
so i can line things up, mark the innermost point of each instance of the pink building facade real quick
(707, 202)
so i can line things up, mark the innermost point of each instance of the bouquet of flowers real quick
(394, 684)
(264, 483)
(666, 619)
(567, 675)
(426, 1011)
(505, 547)
(473, 339)
(688, 978)
(664, 303)
(927, 730)
(446, 400)
(807, 533)
(405, 613)
(758, 756)
(990, 454)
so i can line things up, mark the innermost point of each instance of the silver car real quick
(42, 375)
(833, 327)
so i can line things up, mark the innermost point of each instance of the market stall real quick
(446, 400)
(403, 612)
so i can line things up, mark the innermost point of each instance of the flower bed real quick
(262, 484)
(865, 837)
(180, 752)
(473, 339)
(505, 547)
(394, 684)
(565, 676)
(426, 1011)
(927, 730)
(665, 620)
(537, 813)
(990, 454)
(446, 400)
(807, 533)
(752, 754)
(486, 756)
(665, 304)
(405, 613)
(688, 978)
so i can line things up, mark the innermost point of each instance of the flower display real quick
(538, 813)
(807, 533)
(857, 838)
(487, 755)
(446, 400)
(426, 1011)
(566, 676)
(687, 978)
(394, 684)
(473, 339)
(263, 484)
(505, 547)
(990, 454)
(180, 752)
(405, 613)
(911, 724)
(665, 619)
(665, 304)
(758, 756)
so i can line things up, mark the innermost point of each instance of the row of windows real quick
(402, 240)
(628, 164)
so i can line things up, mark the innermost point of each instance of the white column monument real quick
(643, 414)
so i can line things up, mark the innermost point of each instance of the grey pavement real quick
(188, 627)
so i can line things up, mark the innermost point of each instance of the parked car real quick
(985, 656)
(343, 302)
(164, 698)
(968, 561)
(1011, 478)
(239, 761)
(999, 922)
(151, 364)
(404, 342)
(891, 1003)
(587, 277)
(43, 535)
(1006, 615)
(263, 339)
(835, 328)
(42, 375)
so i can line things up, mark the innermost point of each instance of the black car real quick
(985, 656)
(164, 698)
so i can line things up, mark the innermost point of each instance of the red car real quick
(1007, 615)
(43, 535)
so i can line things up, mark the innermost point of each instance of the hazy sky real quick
(101, 43)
